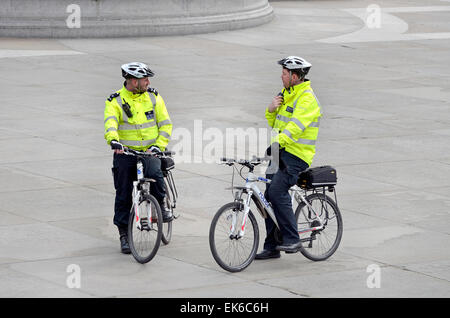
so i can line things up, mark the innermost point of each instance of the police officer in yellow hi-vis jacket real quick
(136, 117)
(294, 115)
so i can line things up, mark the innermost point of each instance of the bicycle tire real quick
(166, 234)
(144, 251)
(313, 240)
(220, 234)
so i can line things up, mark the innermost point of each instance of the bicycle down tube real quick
(253, 190)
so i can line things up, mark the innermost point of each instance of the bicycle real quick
(234, 232)
(146, 228)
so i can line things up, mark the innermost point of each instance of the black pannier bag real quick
(317, 177)
(167, 163)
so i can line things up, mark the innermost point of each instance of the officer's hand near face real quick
(276, 102)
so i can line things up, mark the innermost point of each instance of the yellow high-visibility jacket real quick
(148, 125)
(297, 121)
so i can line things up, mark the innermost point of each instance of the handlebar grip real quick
(130, 150)
(223, 159)
(115, 145)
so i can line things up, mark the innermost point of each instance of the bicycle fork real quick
(142, 222)
(239, 207)
(136, 196)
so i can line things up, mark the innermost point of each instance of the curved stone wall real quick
(120, 18)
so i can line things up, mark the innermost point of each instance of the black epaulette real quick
(113, 96)
(152, 90)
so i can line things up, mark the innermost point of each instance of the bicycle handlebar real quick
(129, 151)
(248, 163)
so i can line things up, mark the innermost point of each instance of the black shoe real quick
(124, 246)
(265, 254)
(166, 213)
(289, 248)
(167, 217)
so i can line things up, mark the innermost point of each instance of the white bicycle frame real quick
(137, 193)
(251, 189)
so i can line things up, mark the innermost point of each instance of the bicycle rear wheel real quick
(318, 245)
(167, 226)
(171, 198)
(145, 240)
(233, 253)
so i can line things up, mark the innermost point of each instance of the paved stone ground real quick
(385, 92)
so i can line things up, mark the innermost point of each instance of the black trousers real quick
(277, 192)
(124, 173)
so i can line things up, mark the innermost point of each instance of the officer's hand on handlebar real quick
(154, 149)
(117, 147)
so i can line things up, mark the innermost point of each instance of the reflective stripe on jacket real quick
(149, 124)
(297, 121)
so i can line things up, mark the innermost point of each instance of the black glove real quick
(273, 147)
(154, 149)
(116, 145)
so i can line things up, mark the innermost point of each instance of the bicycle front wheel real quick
(144, 232)
(318, 245)
(231, 252)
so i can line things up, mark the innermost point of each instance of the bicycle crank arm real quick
(317, 228)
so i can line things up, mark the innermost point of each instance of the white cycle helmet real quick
(136, 70)
(295, 63)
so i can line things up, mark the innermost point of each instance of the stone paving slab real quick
(353, 284)
(126, 277)
(16, 284)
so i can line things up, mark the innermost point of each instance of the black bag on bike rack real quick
(167, 163)
(317, 177)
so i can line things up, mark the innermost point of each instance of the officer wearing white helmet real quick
(136, 117)
(294, 115)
